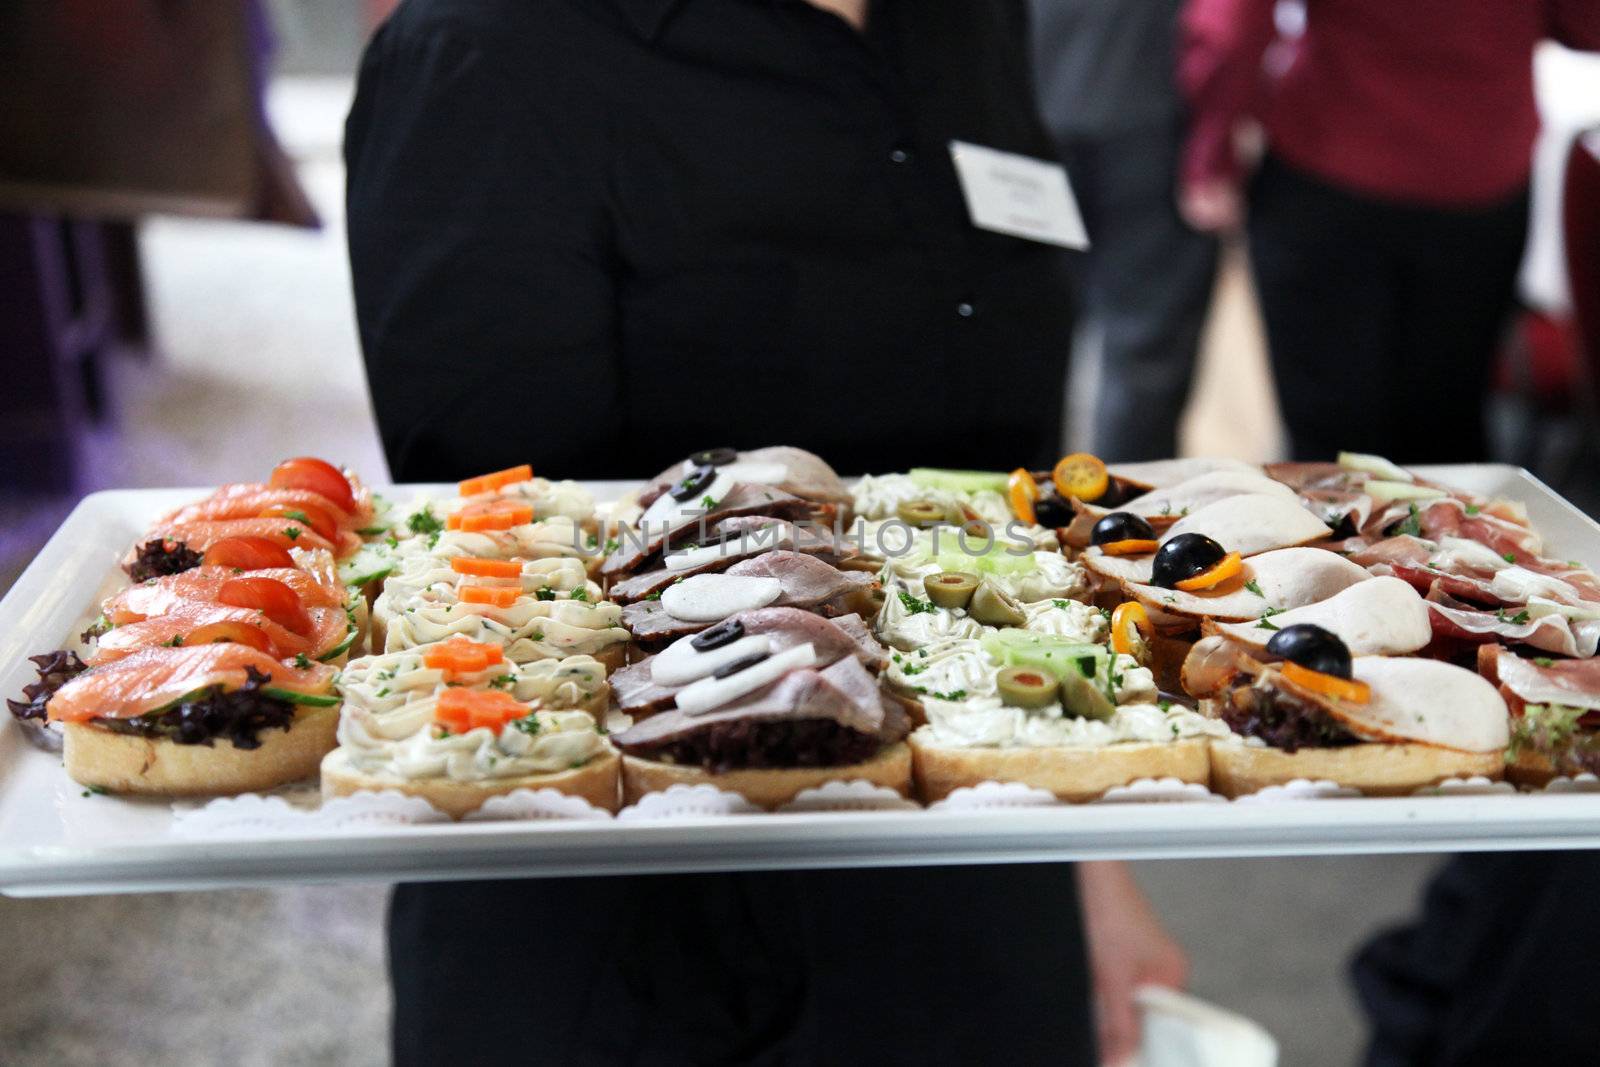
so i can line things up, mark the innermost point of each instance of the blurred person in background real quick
(1387, 218)
(1109, 97)
(633, 229)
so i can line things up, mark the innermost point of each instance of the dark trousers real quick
(1144, 286)
(1382, 319)
(1500, 968)
(923, 966)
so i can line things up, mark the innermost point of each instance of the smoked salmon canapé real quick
(203, 720)
(267, 618)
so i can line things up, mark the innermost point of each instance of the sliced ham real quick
(1169, 504)
(1248, 524)
(1271, 582)
(636, 548)
(1380, 616)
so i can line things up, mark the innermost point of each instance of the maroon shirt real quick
(1422, 101)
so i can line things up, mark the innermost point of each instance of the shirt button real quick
(899, 155)
(964, 309)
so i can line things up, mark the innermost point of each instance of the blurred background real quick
(202, 338)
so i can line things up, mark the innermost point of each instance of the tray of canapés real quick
(748, 639)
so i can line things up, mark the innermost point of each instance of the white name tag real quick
(1018, 195)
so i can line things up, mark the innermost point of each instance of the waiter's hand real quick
(1211, 205)
(1128, 948)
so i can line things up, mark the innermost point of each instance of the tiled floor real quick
(261, 360)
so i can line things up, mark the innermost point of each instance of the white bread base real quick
(1074, 773)
(125, 763)
(768, 787)
(1378, 770)
(596, 781)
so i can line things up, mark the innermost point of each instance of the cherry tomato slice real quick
(237, 633)
(317, 475)
(270, 597)
(247, 554)
(320, 521)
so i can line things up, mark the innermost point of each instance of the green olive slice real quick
(920, 513)
(1025, 687)
(993, 606)
(1081, 697)
(950, 589)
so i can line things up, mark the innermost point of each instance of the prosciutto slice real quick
(1573, 683)
(1456, 620)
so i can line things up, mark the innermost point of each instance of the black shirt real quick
(601, 234)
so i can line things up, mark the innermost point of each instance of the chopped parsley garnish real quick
(708, 502)
(297, 516)
(1265, 623)
(176, 642)
(913, 668)
(915, 606)
(579, 594)
(1165, 705)
(1254, 587)
(1411, 524)
(537, 635)
(1473, 509)
(371, 531)
(1515, 620)
(1543, 661)
(653, 596)
(593, 540)
(1062, 604)
(383, 692)
(528, 724)
(612, 544)
(302, 661)
(424, 521)
(544, 594)
(291, 532)
(1509, 557)
(505, 681)
(954, 694)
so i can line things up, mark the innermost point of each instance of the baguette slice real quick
(767, 787)
(1075, 773)
(1380, 770)
(596, 781)
(125, 763)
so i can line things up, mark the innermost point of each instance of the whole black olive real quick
(1052, 512)
(1313, 648)
(714, 457)
(1121, 526)
(694, 483)
(742, 663)
(1183, 557)
(723, 633)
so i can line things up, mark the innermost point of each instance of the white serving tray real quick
(55, 839)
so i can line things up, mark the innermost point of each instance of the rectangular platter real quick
(57, 839)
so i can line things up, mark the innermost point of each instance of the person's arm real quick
(1128, 948)
(1220, 48)
(1575, 23)
(480, 251)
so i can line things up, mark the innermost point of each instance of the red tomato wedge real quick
(488, 483)
(152, 677)
(269, 596)
(317, 475)
(247, 554)
(320, 521)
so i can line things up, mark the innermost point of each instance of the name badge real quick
(1018, 195)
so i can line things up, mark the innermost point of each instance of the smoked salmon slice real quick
(330, 626)
(153, 677)
(158, 596)
(247, 500)
(200, 535)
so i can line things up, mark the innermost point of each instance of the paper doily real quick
(1475, 786)
(688, 801)
(525, 805)
(849, 796)
(1158, 791)
(1299, 789)
(988, 795)
(1583, 783)
(253, 815)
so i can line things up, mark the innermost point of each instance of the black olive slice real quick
(742, 663)
(1121, 526)
(1313, 648)
(693, 484)
(714, 457)
(725, 632)
(1052, 512)
(1184, 557)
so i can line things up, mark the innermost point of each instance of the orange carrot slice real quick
(497, 596)
(488, 483)
(487, 568)
(460, 710)
(1226, 567)
(1328, 684)
(490, 515)
(461, 656)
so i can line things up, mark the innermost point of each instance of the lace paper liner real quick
(850, 796)
(687, 802)
(1583, 783)
(1299, 789)
(989, 795)
(529, 805)
(254, 815)
(1475, 786)
(1159, 791)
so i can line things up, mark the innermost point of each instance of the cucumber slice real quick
(370, 563)
(341, 648)
(1388, 492)
(959, 481)
(1376, 466)
(1046, 652)
(311, 700)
